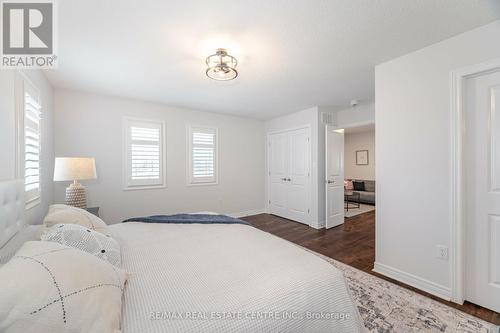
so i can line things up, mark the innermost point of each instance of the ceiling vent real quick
(327, 118)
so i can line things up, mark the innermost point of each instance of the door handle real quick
(283, 179)
(288, 179)
(330, 181)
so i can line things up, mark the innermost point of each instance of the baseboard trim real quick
(414, 281)
(319, 225)
(248, 213)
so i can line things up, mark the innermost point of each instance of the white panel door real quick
(482, 151)
(334, 177)
(298, 176)
(278, 173)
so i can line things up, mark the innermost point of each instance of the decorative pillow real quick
(74, 235)
(49, 287)
(358, 186)
(72, 215)
(369, 185)
(348, 185)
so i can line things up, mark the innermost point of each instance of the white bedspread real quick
(187, 277)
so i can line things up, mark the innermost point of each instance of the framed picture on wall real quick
(361, 157)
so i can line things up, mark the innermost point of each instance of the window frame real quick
(23, 85)
(191, 181)
(128, 183)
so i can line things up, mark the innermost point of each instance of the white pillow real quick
(77, 236)
(73, 215)
(49, 287)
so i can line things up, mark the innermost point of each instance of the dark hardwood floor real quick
(352, 243)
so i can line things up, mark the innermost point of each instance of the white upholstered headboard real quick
(12, 209)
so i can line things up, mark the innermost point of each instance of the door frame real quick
(268, 182)
(346, 126)
(458, 194)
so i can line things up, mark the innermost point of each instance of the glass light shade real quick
(221, 66)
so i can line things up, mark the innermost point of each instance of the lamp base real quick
(76, 196)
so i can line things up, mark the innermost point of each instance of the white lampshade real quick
(74, 168)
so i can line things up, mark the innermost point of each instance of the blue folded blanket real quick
(188, 219)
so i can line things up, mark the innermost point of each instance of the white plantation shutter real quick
(145, 155)
(32, 142)
(203, 155)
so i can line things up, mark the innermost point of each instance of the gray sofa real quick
(368, 195)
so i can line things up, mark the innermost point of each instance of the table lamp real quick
(75, 169)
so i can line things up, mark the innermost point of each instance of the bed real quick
(215, 278)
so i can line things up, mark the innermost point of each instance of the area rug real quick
(354, 210)
(386, 307)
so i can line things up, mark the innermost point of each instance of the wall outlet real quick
(442, 252)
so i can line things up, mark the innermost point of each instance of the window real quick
(29, 139)
(202, 155)
(145, 156)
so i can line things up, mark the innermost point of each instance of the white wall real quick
(91, 125)
(308, 117)
(413, 138)
(352, 143)
(8, 136)
(360, 114)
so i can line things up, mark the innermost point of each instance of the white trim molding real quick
(457, 225)
(248, 213)
(319, 225)
(414, 281)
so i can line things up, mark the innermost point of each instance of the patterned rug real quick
(354, 210)
(386, 307)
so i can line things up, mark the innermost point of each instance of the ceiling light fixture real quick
(221, 66)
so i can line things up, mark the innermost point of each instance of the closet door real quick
(278, 174)
(298, 176)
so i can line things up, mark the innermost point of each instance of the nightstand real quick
(93, 210)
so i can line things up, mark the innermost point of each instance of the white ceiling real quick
(292, 54)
